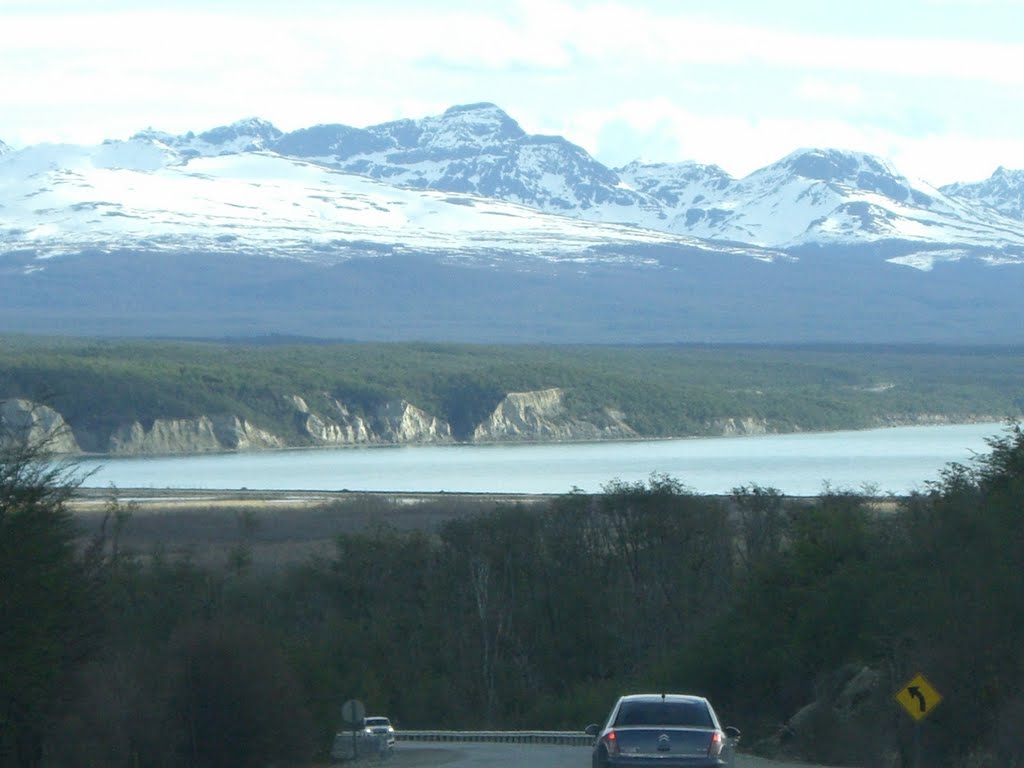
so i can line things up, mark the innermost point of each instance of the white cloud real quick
(817, 90)
(661, 80)
(742, 145)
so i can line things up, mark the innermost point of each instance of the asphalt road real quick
(497, 755)
(492, 755)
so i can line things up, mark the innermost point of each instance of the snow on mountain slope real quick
(142, 193)
(170, 230)
(249, 135)
(822, 196)
(1002, 192)
(4, 149)
(480, 150)
(471, 179)
(811, 196)
(677, 185)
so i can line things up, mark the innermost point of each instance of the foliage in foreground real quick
(528, 617)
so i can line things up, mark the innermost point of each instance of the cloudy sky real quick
(936, 86)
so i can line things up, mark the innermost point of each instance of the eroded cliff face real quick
(397, 421)
(400, 421)
(223, 433)
(536, 416)
(337, 427)
(738, 426)
(239, 434)
(542, 415)
(37, 424)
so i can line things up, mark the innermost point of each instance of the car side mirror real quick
(592, 730)
(732, 732)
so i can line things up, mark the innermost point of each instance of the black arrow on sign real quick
(914, 691)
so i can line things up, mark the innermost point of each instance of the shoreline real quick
(95, 499)
(931, 420)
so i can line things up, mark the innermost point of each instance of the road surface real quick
(498, 755)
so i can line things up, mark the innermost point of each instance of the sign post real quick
(918, 698)
(353, 712)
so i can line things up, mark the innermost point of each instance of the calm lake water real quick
(894, 460)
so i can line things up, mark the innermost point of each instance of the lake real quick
(893, 460)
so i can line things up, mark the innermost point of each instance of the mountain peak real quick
(261, 132)
(682, 169)
(4, 149)
(1003, 191)
(246, 135)
(480, 106)
(835, 164)
(152, 134)
(478, 123)
(857, 170)
(1008, 174)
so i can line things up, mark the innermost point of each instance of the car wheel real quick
(601, 758)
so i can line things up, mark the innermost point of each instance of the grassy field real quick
(278, 528)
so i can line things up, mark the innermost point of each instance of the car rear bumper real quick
(669, 761)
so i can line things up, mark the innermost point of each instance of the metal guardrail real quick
(572, 738)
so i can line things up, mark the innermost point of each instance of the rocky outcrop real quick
(396, 421)
(198, 435)
(542, 415)
(38, 425)
(729, 427)
(399, 421)
(323, 431)
(238, 434)
(534, 416)
(850, 701)
(338, 427)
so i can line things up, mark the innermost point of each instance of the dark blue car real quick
(670, 730)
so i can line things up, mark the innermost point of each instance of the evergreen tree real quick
(44, 594)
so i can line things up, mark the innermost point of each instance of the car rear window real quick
(676, 713)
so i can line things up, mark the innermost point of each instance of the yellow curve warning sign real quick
(918, 697)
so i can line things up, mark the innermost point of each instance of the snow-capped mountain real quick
(1003, 192)
(249, 135)
(463, 226)
(816, 197)
(475, 149)
(166, 193)
(813, 196)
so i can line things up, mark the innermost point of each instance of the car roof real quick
(662, 697)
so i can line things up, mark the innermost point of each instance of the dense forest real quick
(661, 391)
(800, 619)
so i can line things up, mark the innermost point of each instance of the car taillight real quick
(611, 743)
(717, 742)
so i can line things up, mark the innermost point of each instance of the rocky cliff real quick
(38, 424)
(191, 436)
(336, 427)
(536, 416)
(393, 422)
(542, 415)
(740, 426)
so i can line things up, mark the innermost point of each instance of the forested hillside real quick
(800, 619)
(99, 386)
